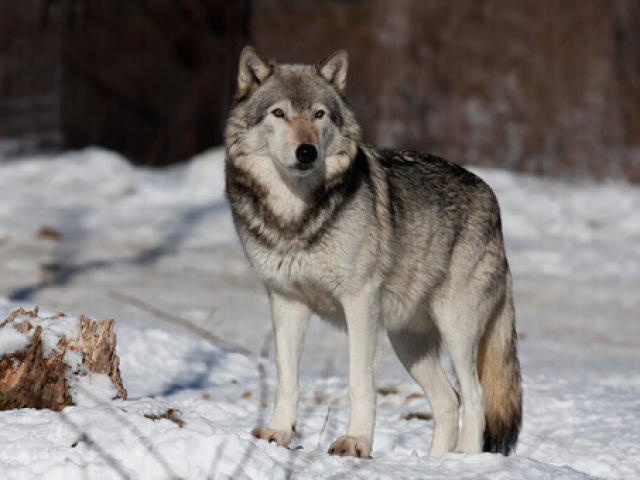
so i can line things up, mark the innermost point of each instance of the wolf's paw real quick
(347, 446)
(281, 437)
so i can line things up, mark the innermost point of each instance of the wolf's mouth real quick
(302, 170)
(304, 167)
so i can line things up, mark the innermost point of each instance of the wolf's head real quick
(296, 115)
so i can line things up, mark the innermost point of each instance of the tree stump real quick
(47, 353)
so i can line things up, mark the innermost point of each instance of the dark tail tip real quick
(501, 437)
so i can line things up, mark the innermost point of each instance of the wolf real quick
(371, 240)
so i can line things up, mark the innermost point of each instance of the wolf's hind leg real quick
(290, 320)
(420, 355)
(461, 327)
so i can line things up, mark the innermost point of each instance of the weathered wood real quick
(97, 343)
(37, 382)
(35, 379)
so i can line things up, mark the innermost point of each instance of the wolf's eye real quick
(319, 114)
(278, 113)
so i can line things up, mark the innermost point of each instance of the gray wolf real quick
(371, 240)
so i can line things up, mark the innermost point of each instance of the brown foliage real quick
(551, 87)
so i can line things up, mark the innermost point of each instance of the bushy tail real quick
(499, 372)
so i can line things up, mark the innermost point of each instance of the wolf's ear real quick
(334, 69)
(252, 72)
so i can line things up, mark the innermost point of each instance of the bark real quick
(29, 380)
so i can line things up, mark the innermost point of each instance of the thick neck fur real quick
(287, 196)
(273, 207)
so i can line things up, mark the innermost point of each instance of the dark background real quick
(550, 87)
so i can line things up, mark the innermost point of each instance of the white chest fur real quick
(315, 277)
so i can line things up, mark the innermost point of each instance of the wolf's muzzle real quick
(306, 154)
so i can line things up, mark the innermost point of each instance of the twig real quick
(111, 461)
(216, 340)
(146, 441)
(324, 425)
(264, 353)
(182, 322)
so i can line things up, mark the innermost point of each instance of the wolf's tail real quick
(499, 372)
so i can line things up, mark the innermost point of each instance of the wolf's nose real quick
(306, 154)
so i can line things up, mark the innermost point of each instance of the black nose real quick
(306, 154)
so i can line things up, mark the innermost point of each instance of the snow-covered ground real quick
(86, 233)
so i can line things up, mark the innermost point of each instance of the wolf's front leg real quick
(362, 316)
(290, 319)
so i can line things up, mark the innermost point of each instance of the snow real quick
(12, 341)
(156, 250)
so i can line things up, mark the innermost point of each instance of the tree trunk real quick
(33, 378)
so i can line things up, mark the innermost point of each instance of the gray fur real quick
(421, 233)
